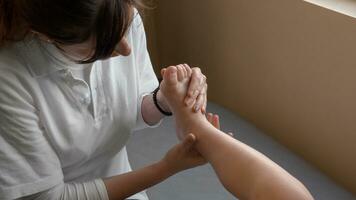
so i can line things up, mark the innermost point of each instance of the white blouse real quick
(47, 133)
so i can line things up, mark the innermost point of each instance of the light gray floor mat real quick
(150, 145)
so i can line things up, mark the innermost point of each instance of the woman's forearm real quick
(150, 114)
(125, 185)
(244, 171)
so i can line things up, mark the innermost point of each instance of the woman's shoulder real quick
(137, 24)
(15, 78)
(11, 62)
(10, 58)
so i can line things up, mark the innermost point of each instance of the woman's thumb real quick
(189, 141)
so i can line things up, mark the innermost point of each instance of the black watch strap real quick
(157, 105)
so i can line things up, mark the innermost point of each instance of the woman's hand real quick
(197, 91)
(183, 155)
(215, 121)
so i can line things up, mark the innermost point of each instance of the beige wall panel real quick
(287, 66)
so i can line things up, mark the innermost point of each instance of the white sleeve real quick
(147, 80)
(92, 190)
(28, 163)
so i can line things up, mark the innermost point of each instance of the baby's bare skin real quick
(245, 172)
(174, 88)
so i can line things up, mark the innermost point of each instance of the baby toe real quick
(170, 75)
(180, 72)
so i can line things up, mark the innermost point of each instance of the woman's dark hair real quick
(69, 22)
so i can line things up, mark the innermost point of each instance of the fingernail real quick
(188, 101)
(196, 108)
(192, 93)
(195, 93)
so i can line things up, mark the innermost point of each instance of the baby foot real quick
(174, 88)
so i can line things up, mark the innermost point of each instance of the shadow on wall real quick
(286, 66)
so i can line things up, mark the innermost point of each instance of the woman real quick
(69, 102)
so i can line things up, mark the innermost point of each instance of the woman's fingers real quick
(197, 82)
(189, 149)
(205, 97)
(188, 142)
(203, 109)
(203, 93)
(216, 121)
(201, 100)
(197, 91)
(209, 117)
(199, 103)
